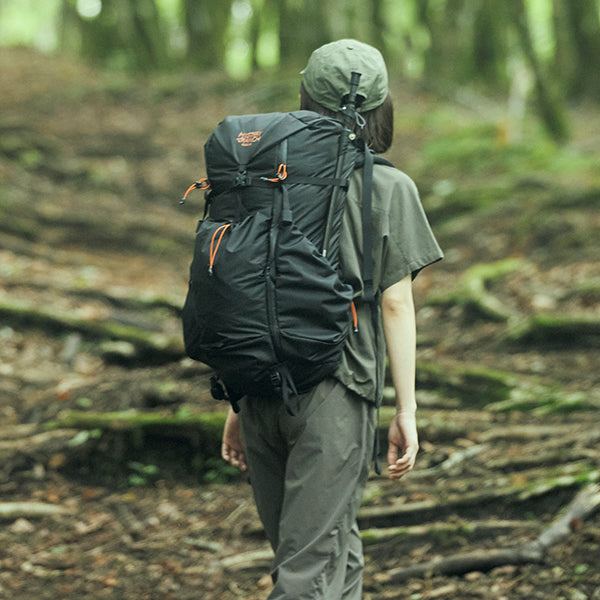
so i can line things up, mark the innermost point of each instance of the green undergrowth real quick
(469, 163)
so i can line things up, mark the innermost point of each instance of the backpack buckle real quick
(242, 179)
(275, 377)
(217, 389)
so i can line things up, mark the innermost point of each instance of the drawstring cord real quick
(201, 184)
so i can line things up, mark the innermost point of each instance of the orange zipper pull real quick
(354, 317)
(214, 248)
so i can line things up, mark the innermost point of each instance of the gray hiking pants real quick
(308, 474)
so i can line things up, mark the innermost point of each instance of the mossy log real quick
(472, 295)
(134, 303)
(141, 445)
(557, 331)
(541, 401)
(476, 386)
(150, 346)
(201, 429)
(416, 534)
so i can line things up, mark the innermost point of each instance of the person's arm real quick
(232, 448)
(400, 333)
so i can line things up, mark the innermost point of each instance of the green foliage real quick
(141, 474)
(29, 22)
(478, 149)
(215, 470)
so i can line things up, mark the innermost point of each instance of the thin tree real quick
(583, 20)
(205, 23)
(549, 103)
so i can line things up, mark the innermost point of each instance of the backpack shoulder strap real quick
(370, 295)
(378, 160)
(367, 226)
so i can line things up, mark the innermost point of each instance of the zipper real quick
(270, 271)
(270, 276)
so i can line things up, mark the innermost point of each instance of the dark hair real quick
(378, 131)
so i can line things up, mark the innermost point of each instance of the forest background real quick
(110, 481)
(501, 47)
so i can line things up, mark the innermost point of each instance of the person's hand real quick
(232, 448)
(403, 444)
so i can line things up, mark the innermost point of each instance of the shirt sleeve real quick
(408, 241)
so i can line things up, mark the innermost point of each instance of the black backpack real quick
(266, 307)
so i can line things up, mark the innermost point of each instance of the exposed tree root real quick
(583, 506)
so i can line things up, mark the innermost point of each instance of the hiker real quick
(308, 470)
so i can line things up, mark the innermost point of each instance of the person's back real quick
(308, 471)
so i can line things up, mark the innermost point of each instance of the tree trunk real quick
(149, 48)
(123, 34)
(584, 27)
(302, 29)
(549, 104)
(489, 43)
(379, 23)
(444, 58)
(206, 24)
(563, 65)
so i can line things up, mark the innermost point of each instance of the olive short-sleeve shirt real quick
(403, 244)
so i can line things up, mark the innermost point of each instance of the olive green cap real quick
(327, 75)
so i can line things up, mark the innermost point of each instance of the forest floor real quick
(94, 254)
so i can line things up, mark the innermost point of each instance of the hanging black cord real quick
(348, 111)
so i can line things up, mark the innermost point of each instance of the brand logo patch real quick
(247, 139)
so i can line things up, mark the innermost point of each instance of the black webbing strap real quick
(267, 182)
(367, 228)
(322, 181)
(369, 294)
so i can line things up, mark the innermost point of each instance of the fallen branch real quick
(253, 560)
(29, 510)
(398, 514)
(453, 464)
(583, 506)
(466, 563)
(47, 448)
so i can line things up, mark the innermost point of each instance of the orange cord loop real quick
(214, 248)
(281, 174)
(201, 184)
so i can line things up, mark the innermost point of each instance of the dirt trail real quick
(91, 232)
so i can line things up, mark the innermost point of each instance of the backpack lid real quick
(245, 136)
